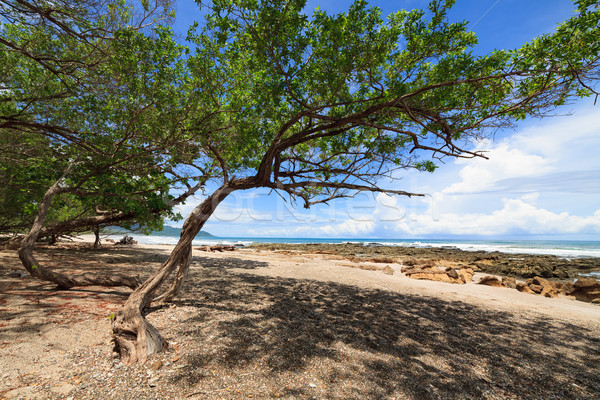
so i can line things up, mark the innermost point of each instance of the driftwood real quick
(127, 240)
(217, 248)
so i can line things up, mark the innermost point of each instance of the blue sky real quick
(542, 180)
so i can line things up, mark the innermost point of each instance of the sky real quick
(541, 181)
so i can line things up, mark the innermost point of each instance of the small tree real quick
(321, 107)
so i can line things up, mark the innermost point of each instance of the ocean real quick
(560, 248)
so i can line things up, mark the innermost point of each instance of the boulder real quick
(432, 277)
(388, 270)
(586, 283)
(509, 282)
(565, 288)
(523, 288)
(451, 273)
(587, 289)
(544, 287)
(491, 281)
(538, 289)
(465, 274)
(411, 268)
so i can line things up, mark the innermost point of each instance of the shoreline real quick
(565, 249)
(523, 265)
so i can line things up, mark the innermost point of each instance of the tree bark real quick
(134, 337)
(62, 280)
(182, 273)
(96, 237)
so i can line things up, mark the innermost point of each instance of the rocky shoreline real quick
(514, 265)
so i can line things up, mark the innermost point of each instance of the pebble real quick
(312, 385)
(156, 365)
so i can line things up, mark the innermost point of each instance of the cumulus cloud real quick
(516, 217)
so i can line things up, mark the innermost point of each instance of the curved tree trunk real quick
(96, 237)
(134, 337)
(62, 280)
(182, 272)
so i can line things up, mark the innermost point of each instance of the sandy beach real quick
(294, 325)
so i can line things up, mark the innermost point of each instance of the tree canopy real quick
(89, 86)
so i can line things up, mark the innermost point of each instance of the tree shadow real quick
(379, 344)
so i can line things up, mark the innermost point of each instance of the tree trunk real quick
(182, 272)
(97, 237)
(134, 337)
(63, 281)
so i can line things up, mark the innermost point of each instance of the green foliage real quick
(349, 98)
(93, 93)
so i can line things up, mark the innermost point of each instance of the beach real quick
(272, 323)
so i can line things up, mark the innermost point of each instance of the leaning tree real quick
(90, 99)
(318, 107)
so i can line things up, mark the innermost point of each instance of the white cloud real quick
(517, 216)
(504, 162)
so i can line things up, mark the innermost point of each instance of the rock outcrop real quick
(586, 289)
(439, 273)
(489, 280)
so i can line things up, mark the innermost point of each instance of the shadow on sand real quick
(379, 344)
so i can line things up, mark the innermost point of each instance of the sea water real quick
(560, 248)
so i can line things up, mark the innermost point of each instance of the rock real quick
(430, 277)
(312, 385)
(543, 286)
(388, 270)
(565, 288)
(219, 248)
(596, 301)
(465, 274)
(418, 268)
(156, 365)
(491, 281)
(536, 288)
(586, 283)
(382, 260)
(586, 289)
(433, 274)
(153, 381)
(522, 287)
(509, 282)
(451, 273)
(545, 283)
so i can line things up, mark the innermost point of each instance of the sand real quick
(265, 324)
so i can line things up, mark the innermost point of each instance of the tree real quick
(97, 84)
(324, 106)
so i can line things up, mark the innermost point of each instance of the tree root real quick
(134, 337)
